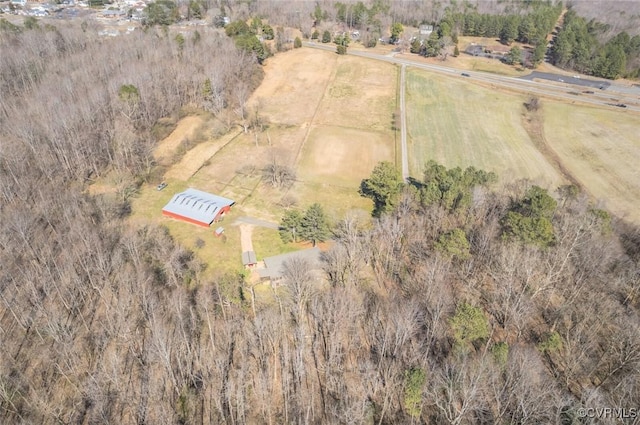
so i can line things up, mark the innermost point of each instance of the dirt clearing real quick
(343, 156)
(194, 159)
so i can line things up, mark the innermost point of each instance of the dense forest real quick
(578, 46)
(460, 302)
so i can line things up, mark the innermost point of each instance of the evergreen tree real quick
(290, 226)
(313, 226)
(416, 46)
(396, 30)
(267, 32)
(382, 187)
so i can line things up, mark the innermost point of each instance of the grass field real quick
(458, 123)
(331, 119)
(328, 117)
(601, 149)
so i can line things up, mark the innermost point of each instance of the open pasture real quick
(601, 149)
(458, 123)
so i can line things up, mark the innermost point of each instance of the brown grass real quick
(168, 147)
(448, 121)
(600, 148)
(331, 117)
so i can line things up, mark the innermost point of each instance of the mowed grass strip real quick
(458, 123)
(600, 148)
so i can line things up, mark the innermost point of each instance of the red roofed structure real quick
(197, 207)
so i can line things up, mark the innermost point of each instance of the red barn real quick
(197, 207)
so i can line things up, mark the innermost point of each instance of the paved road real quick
(557, 90)
(403, 127)
(257, 222)
(596, 84)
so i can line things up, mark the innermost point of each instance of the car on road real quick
(621, 105)
(464, 74)
(161, 186)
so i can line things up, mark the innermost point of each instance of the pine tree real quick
(314, 225)
(290, 226)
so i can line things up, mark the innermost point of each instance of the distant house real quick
(197, 207)
(249, 259)
(274, 266)
(113, 14)
(424, 31)
(475, 50)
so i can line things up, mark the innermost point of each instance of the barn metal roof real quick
(197, 205)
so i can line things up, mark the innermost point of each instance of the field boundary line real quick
(313, 117)
(215, 153)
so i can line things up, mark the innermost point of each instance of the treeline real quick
(530, 26)
(577, 46)
(106, 104)
(80, 288)
(167, 12)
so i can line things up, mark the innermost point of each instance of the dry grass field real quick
(458, 123)
(331, 119)
(328, 117)
(600, 148)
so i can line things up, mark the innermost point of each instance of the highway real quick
(606, 98)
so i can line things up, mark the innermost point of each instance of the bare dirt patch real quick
(194, 159)
(246, 231)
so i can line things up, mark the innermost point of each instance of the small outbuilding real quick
(197, 207)
(249, 259)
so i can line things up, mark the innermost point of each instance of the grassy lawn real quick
(335, 200)
(458, 123)
(267, 243)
